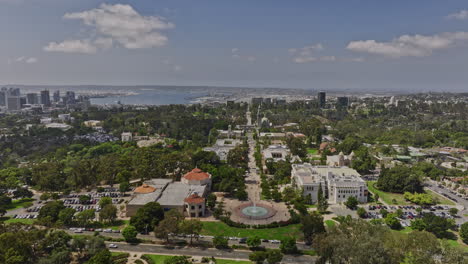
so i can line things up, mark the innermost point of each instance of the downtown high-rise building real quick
(69, 98)
(3, 93)
(13, 99)
(322, 100)
(31, 98)
(56, 96)
(45, 98)
(342, 102)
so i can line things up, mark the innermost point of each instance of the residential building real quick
(64, 117)
(126, 136)
(338, 183)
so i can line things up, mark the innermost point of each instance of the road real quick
(300, 245)
(253, 178)
(201, 252)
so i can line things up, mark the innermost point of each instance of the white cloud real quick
(461, 15)
(177, 68)
(104, 43)
(31, 60)
(306, 54)
(72, 46)
(117, 24)
(235, 54)
(409, 45)
(23, 59)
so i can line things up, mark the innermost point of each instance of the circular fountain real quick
(255, 211)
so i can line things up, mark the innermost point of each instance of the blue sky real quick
(374, 45)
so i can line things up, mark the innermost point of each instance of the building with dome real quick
(197, 177)
(187, 196)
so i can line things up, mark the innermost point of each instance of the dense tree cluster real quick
(400, 179)
(21, 244)
(360, 242)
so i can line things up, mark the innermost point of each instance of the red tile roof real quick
(194, 199)
(196, 175)
(145, 188)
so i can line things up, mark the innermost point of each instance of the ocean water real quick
(150, 97)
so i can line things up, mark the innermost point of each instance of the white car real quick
(113, 246)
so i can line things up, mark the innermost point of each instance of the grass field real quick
(440, 198)
(117, 225)
(330, 223)
(159, 259)
(230, 261)
(312, 151)
(24, 221)
(221, 229)
(21, 203)
(388, 197)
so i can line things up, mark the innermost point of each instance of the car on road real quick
(113, 246)
(243, 240)
(275, 241)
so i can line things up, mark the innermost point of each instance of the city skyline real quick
(352, 45)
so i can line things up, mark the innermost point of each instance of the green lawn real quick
(21, 203)
(312, 151)
(440, 198)
(117, 225)
(159, 259)
(156, 259)
(386, 196)
(458, 245)
(221, 229)
(230, 261)
(406, 230)
(330, 223)
(23, 221)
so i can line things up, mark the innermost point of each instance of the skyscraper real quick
(322, 99)
(57, 96)
(31, 98)
(45, 98)
(13, 99)
(342, 102)
(69, 98)
(3, 93)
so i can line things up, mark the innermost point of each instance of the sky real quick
(346, 45)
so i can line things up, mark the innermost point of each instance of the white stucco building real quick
(338, 182)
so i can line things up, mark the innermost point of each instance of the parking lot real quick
(71, 201)
(410, 212)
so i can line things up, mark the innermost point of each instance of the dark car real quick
(243, 240)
